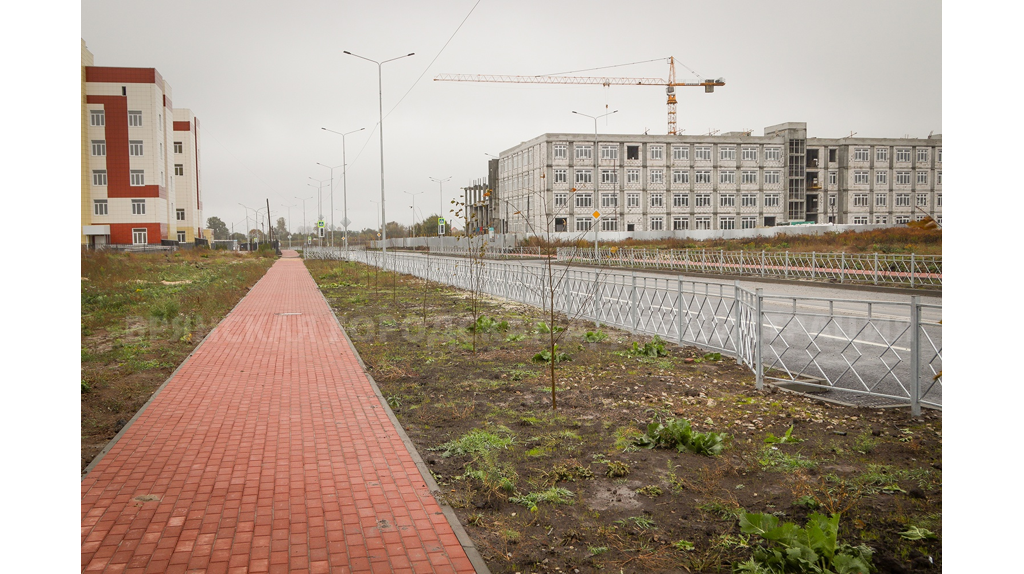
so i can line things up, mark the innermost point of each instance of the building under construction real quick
(736, 180)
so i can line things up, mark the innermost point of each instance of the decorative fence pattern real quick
(877, 268)
(890, 351)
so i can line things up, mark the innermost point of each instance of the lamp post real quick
(380, 106)
(377, 211)
(344, 183)
(319, 204)
(413, 210)
(305, 222)
(332, 197)
(256, 213)
(597, 220)
(440, 194)
(288, 223)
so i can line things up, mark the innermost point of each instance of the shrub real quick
(812, 549)
(678, 434)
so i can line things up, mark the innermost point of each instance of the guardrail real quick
(876, 268)
(886, 350)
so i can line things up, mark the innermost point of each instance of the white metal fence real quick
(876, 268)
(890, 352)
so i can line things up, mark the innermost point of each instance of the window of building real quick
(584, 200)
(860, 154)
(610, 176)
(832, 152)
(680, 223)
(833, 178)
(609, 224)
(138, 207)
(632, 152)
(181, 237)
(559, 150)
(922, 154)
(561, 175)
(881, 154)
(772, 153)
(657, 199)
(881, 219)
(134, 119)
(903, 154)
(99, 177)
(922, 177)
(727, 153)
(881, 199)
(749, 153)
(726, 222)
(657, 152)
(748, 222)
(584, 151)
(99, 207)
(97, 118)
(179, 214)
(584, 223)
(702, 223)
(609, 151)
(161, 144)
(702, 153)
(702, 176)
(938, 177)
(135, 147)
(860, 220)
(657, 223)
(748, 176)
(771, 200)
(680, 200)
(632, 176)
(938, 200)
(902, 200)
(772, 177)
(938, 155)
(727, 176)
(632, 200)
(702, 200)
(860, 200)
(881, 177)
(832, 200)
(901, 219)
(179, 169)
(583, 176)
(139, 236)
(727, 200)
(902, 178)
(748, 200)
(137, 177)
(657, 175)
(680, 176)
(609, 200)
(561, 199)
(922, 200)
(860, 178)
(99, 147)
(680, 152)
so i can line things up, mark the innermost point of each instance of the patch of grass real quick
(545, 356)
(477, 442)
(650, 490)
(865, 443)
(570, 471)
(775, 460)
(617, 469)
(678, 434)
(787, 438)
(637, 522)
(812, 549)
(514, 337)
(655, 348)
(485, 324)
(625, 439)
(595, 336)
(553, 495)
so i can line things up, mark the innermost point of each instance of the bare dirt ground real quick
(573, 489)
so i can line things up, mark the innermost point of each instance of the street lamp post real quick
(344, 182)
(319, 204)
(377, 211)
(380, 125)
(288, 223)
(332, 197)
(256, 213)
(305, 222)
(597, 220)
(413, 210)
(440, 194)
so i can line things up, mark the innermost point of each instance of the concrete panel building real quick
(130, 190)
(734, 180)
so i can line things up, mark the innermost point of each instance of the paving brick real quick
(258, 451)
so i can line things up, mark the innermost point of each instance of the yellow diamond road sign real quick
(597, 214)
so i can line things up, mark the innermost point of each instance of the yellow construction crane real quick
(671, 84)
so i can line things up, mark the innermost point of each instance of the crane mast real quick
(670, 85)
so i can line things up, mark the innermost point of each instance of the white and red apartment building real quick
(142, 185)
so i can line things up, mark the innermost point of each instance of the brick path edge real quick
(449, 513)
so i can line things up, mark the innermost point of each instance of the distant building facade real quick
(730, 181)
(141, 181)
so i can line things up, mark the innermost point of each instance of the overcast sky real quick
(265, 79)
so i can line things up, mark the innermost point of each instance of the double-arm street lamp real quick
(305, 222)
(380, 126)
(331, 167)
(413, 210)
(440, 193)
(344, 184)
(597, 220)
(255, 216)
(319, 204)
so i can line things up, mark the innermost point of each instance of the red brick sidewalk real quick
(267, 451)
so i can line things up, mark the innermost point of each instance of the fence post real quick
(679, 309)
(813, 261)
(842, 265)
(565, 294)
(911, 270)
(875, 274)
(786, 267)
(736, 321)
(915, 356)
(633, 304)
(721, 261)
(758, 368)
(762, 263)
(597, 298)
(741, 262)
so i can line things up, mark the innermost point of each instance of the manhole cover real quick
(286, 314)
